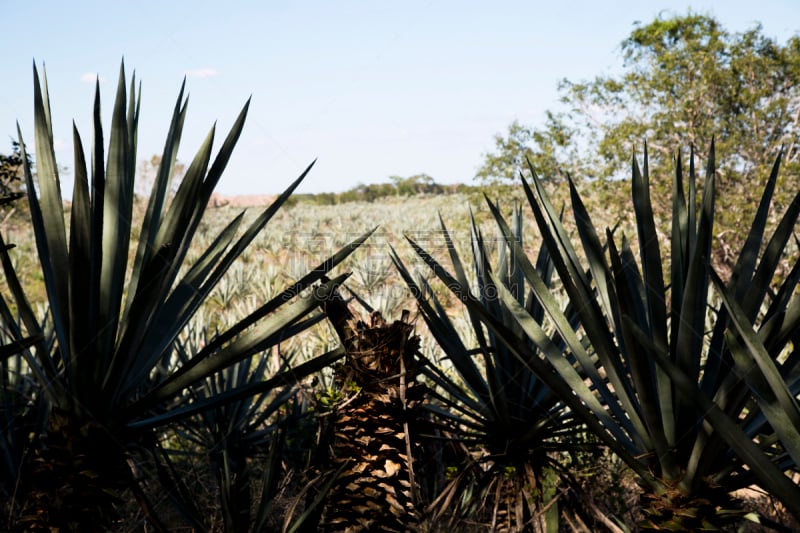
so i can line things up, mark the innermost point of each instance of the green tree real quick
(147, 172)
(685, 79)
(550, 150)
(416, 184)
(11, 170)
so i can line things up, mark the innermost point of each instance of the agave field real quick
(554, 357)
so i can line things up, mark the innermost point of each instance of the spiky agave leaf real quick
(772, 376)
(112, 330)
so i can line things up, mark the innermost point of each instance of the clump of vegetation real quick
(11, 170)
(685, 80)
(420, 184)
(691, 382)
(101, 360)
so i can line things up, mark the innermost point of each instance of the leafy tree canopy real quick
(147, 172)
(11, 170)
(685, 80)
(416, 184)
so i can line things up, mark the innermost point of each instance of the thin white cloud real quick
(202, 73)
(59, 144)
(91, 77)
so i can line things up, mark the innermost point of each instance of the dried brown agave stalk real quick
(371, 435)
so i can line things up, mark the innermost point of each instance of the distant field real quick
(303, 234)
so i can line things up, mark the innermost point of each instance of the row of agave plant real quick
(691, 381)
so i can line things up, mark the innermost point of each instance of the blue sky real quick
(371, 89)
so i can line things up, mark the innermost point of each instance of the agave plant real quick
(508, 421)
(110, 376)
(243, 440)
(22, 411)
(698, 398)
(22, 415)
